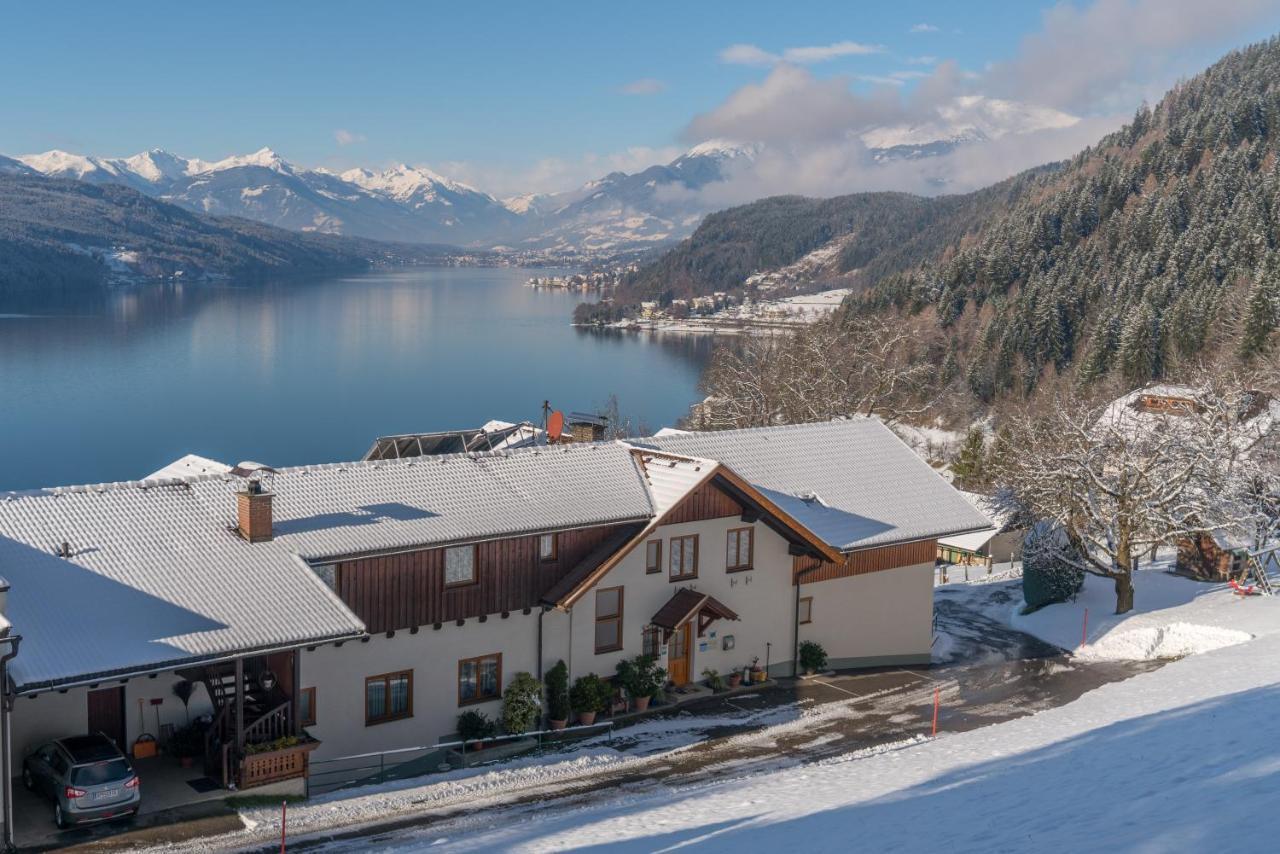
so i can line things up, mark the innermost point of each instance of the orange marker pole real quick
(937, 692)
(284, 817)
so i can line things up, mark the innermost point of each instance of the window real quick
(653, 556)
(388, 697)
(608, 619)
(547, 546)
(307, 707)
(459, 565)
(684, 557)
(479, 679)
(651, 643)
(805, 610)
(739, 547)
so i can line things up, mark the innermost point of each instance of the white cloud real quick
(1112, 53)
(923, 28)
(749, 54)
(644, 86)
(922, 60)
(345, 137)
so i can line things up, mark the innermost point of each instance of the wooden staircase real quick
(267, 715)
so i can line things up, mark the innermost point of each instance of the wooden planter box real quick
(259, 769)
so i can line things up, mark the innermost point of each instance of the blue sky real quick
(509, 93)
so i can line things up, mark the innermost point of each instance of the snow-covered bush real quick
(1047, 577)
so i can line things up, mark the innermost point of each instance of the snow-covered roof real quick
(852, 482)
(153, 578)
(191, 465)
(968, 542)
(157, 576)
(1129, 414)
(671, 478)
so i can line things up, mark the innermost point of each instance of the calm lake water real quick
(97, 389)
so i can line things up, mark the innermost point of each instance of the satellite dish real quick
(555, 426)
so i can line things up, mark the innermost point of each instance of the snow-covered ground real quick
(1180, 758)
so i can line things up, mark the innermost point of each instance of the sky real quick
(535, 97)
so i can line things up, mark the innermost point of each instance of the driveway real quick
(991, 674)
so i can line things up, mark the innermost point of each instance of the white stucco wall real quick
(763, 598)
(338, 674)
(878, 618)
(54, 715)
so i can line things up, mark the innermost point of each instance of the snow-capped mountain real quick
(964, 120)
(623, 209)
(412, 203)
(409, 204)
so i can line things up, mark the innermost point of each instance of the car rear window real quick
(111, 771)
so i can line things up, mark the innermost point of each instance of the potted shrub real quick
(812, 657)
(714, 680)
(588, 697)
(758, 673)
(186, 744)
(641, 678)
(521, 704)
(735, 678)
(475, 726)
(557, 685)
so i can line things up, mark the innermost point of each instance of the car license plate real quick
(106, 795)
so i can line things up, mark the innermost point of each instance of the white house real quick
(330, 610)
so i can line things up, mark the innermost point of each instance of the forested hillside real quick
(67, 235)
(1155, 248)
(887, 232)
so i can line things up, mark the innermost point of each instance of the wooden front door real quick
(679, 651)
(106, 714)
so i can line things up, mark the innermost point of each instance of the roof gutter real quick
(35, 688)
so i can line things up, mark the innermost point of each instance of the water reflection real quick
(112, 386)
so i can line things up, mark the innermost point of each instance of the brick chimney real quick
(253, 512)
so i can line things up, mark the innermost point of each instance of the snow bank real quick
(1175, 640)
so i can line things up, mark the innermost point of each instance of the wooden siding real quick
(864, 561)
(705, 502)
(406, 590)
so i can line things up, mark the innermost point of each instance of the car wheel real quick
(28, 781)
(58, 817)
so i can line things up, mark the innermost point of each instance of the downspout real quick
(542, 612)
(795, 628)
(6, 756)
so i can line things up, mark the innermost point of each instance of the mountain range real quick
(1153, 250)
(620, 210)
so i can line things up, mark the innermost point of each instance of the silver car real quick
(87, 778)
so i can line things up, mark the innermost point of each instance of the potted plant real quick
(758, 673)
(475, 726)
(588, 697)
(812, 657)
(521, 704)
(735, 678)
(714, 680)
(641, 678)
(557, 685)
(186, 744)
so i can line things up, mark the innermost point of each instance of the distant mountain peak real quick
(723, 148)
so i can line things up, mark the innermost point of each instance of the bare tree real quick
(1119, 482)
(861, 366)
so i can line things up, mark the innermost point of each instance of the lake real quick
(112, 387)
